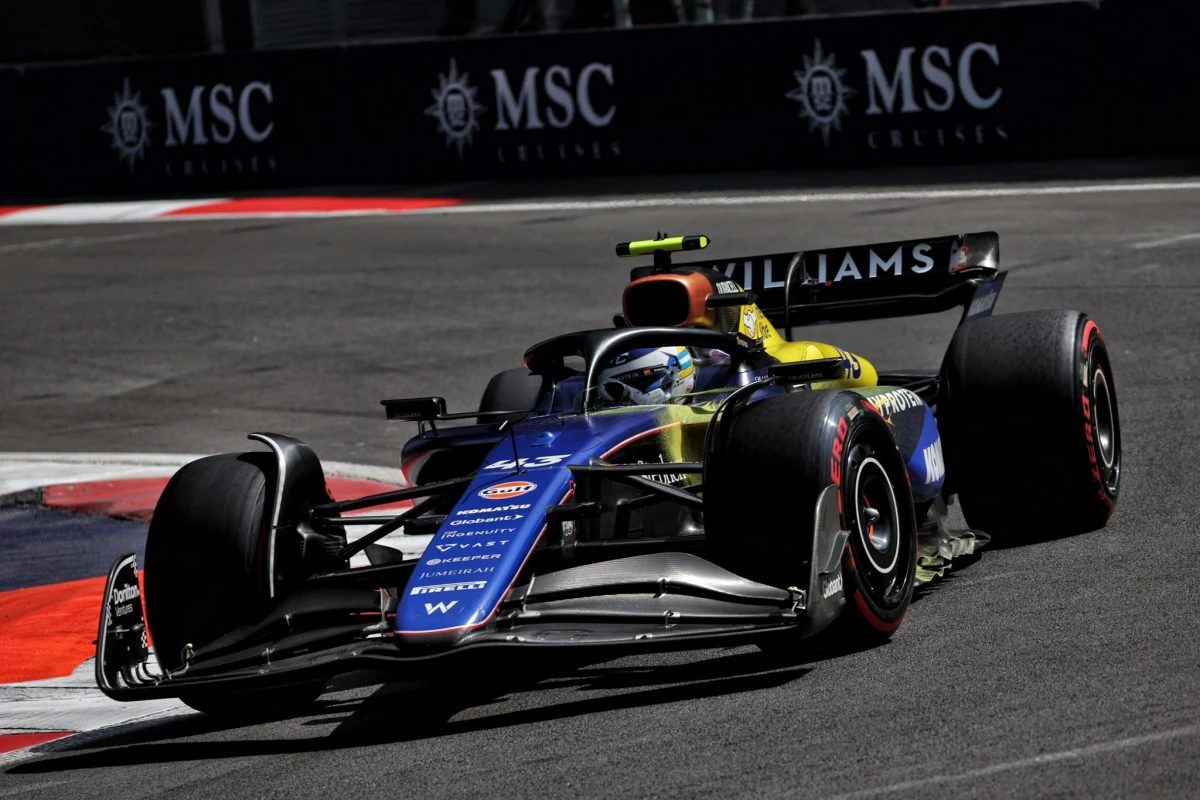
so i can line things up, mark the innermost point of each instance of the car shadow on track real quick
(414, 710)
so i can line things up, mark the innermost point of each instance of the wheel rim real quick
(1103, 420)
(877, 515)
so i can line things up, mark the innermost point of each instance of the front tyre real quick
(207, 558)
(761, 495)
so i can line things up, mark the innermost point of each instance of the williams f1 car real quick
(690, 477)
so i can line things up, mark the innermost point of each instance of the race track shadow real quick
(1037, 534)
(415, 710)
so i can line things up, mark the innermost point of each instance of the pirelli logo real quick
(437, 588)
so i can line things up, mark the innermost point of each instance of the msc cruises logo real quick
(455, 108)
(128, 126)
(821, 92)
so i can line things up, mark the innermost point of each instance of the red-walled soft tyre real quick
(1029, 423)
(761, 495)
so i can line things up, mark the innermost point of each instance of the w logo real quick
(443, 607)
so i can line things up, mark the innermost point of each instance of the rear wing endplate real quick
(873, 281)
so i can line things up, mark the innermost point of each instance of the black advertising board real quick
(941, 86)
(198, 124)
(906, 88)
(14, 181)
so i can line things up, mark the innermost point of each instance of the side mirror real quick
(414, 409)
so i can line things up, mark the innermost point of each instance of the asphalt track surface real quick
(1069, 667)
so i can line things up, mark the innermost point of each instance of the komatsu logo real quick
(470, 512)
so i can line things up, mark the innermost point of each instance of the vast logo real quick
(503, 491)
(444, 548)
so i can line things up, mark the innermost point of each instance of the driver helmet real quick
(649, 376)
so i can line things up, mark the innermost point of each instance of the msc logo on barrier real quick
(216, 115)
(128, 125)
(821, 92)
(455, 108)
(942, 79)
(555, 99)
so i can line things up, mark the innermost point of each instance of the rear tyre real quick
(206, 571)
(511, 390)
(1028, 416)
(761, 496)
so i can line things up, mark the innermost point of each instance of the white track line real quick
(154, 211)
(1187, 237)
(82, 213)
(20, 471)
(79, 241)
(1035, 761)
(72, 703)
(811, 197)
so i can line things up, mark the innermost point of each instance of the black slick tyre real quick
(206, 570)
(510, 390)
(1029, 423)
(761, 495)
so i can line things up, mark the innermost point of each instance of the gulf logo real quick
(503, 491)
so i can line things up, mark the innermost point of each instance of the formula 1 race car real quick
(689, 477)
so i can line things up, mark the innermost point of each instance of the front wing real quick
(656, 602)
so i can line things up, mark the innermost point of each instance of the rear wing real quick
(843, 284)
